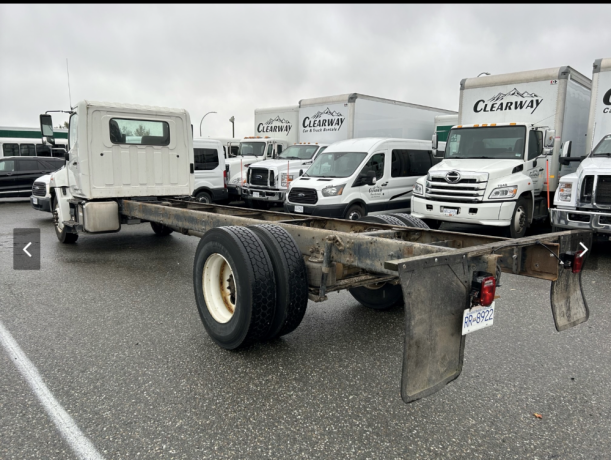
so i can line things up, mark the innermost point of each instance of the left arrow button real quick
(26, 249)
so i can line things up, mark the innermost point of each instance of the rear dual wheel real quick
(250, 284)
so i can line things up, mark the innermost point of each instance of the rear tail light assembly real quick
(574, 259)
(483, 288)
(225, 178)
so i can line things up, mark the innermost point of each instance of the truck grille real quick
(463, 187)
(586, 189)
(603, 190)
(39, 189)
(258, 176)
(303, 195)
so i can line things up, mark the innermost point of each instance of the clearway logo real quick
(512, 100)
(326, 119)
(275, 125)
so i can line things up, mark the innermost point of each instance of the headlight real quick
(565, 190)
(502, 193)
(333, 190)
(283, 179)
(236, 180)
(417, 189)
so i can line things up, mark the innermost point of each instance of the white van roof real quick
(366, 144)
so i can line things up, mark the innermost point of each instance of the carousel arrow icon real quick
(26, 249)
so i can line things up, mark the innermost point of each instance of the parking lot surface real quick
(111, 326)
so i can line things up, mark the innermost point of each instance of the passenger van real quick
(20, 147)
(210, 174)
(356, 177)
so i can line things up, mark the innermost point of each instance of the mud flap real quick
(436, 292)
(569, 306)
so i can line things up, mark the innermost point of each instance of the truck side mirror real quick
(550, 137)
(300, 172)
(370, 178)
(435, 141)
(46, 128)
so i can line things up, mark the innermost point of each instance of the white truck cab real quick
(210, 174)
(267, 182)
(356, 177)
(502, 157)
(230, 145)
(252, 149)
(583, 198)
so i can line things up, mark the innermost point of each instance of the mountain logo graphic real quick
(327, 111)
(514, 92)
(278, 119)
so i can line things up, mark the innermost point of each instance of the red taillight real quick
(484, 288)
(225, 178)
(578, 262)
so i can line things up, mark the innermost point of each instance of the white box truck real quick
(326, 120)
(498, 158)
(583, 198)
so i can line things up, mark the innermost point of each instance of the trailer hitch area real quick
(569, 306)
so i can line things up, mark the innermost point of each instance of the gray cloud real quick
(234, 58)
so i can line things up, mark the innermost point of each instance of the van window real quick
(7, 166)
(43, 150)
(27, 150)
(535, 144)
(336, 164)
(26, 165)
(10, 150)
(399, 166)
(139, 132)
(206, 159)
(419, 162)
(375, 163)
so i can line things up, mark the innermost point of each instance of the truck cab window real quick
(139, 132)
(72, 131)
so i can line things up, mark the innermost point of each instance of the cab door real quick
(534, 166)
(375, 196)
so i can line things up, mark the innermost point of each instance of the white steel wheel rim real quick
(520, 220)
(218, 283)
(58, 224)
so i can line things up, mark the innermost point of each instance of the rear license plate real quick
(450, 212)
(298, 208)
(35, 200)
(256, 194)
(477, 318)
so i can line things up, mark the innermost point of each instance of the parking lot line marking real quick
(80, 444)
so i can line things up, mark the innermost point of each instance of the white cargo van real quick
(504, 153)
(210, 174)
(267, 182)
(356, 177)
(583, 198)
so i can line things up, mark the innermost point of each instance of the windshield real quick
(336, 164)
(498, 142)
(299, 152)
(603, 148)
(252, 148)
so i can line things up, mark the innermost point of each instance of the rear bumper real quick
(41, 203)
(599, 222)
(329, 210)
(487, 213)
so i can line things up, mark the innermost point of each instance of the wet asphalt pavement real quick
(112, 327)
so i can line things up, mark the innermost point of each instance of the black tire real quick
(204, 197)
(291, 278)
(254, 286)
(354, 212)
(160, 229)
(381, 297)
(386, 219)
(519, 220)
(410, 220)
(65, 234)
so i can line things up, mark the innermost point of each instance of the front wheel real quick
(354, 212)
(203, 197)
(64, 234)
(519, 220)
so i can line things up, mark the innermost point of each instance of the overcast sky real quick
(232, 59)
